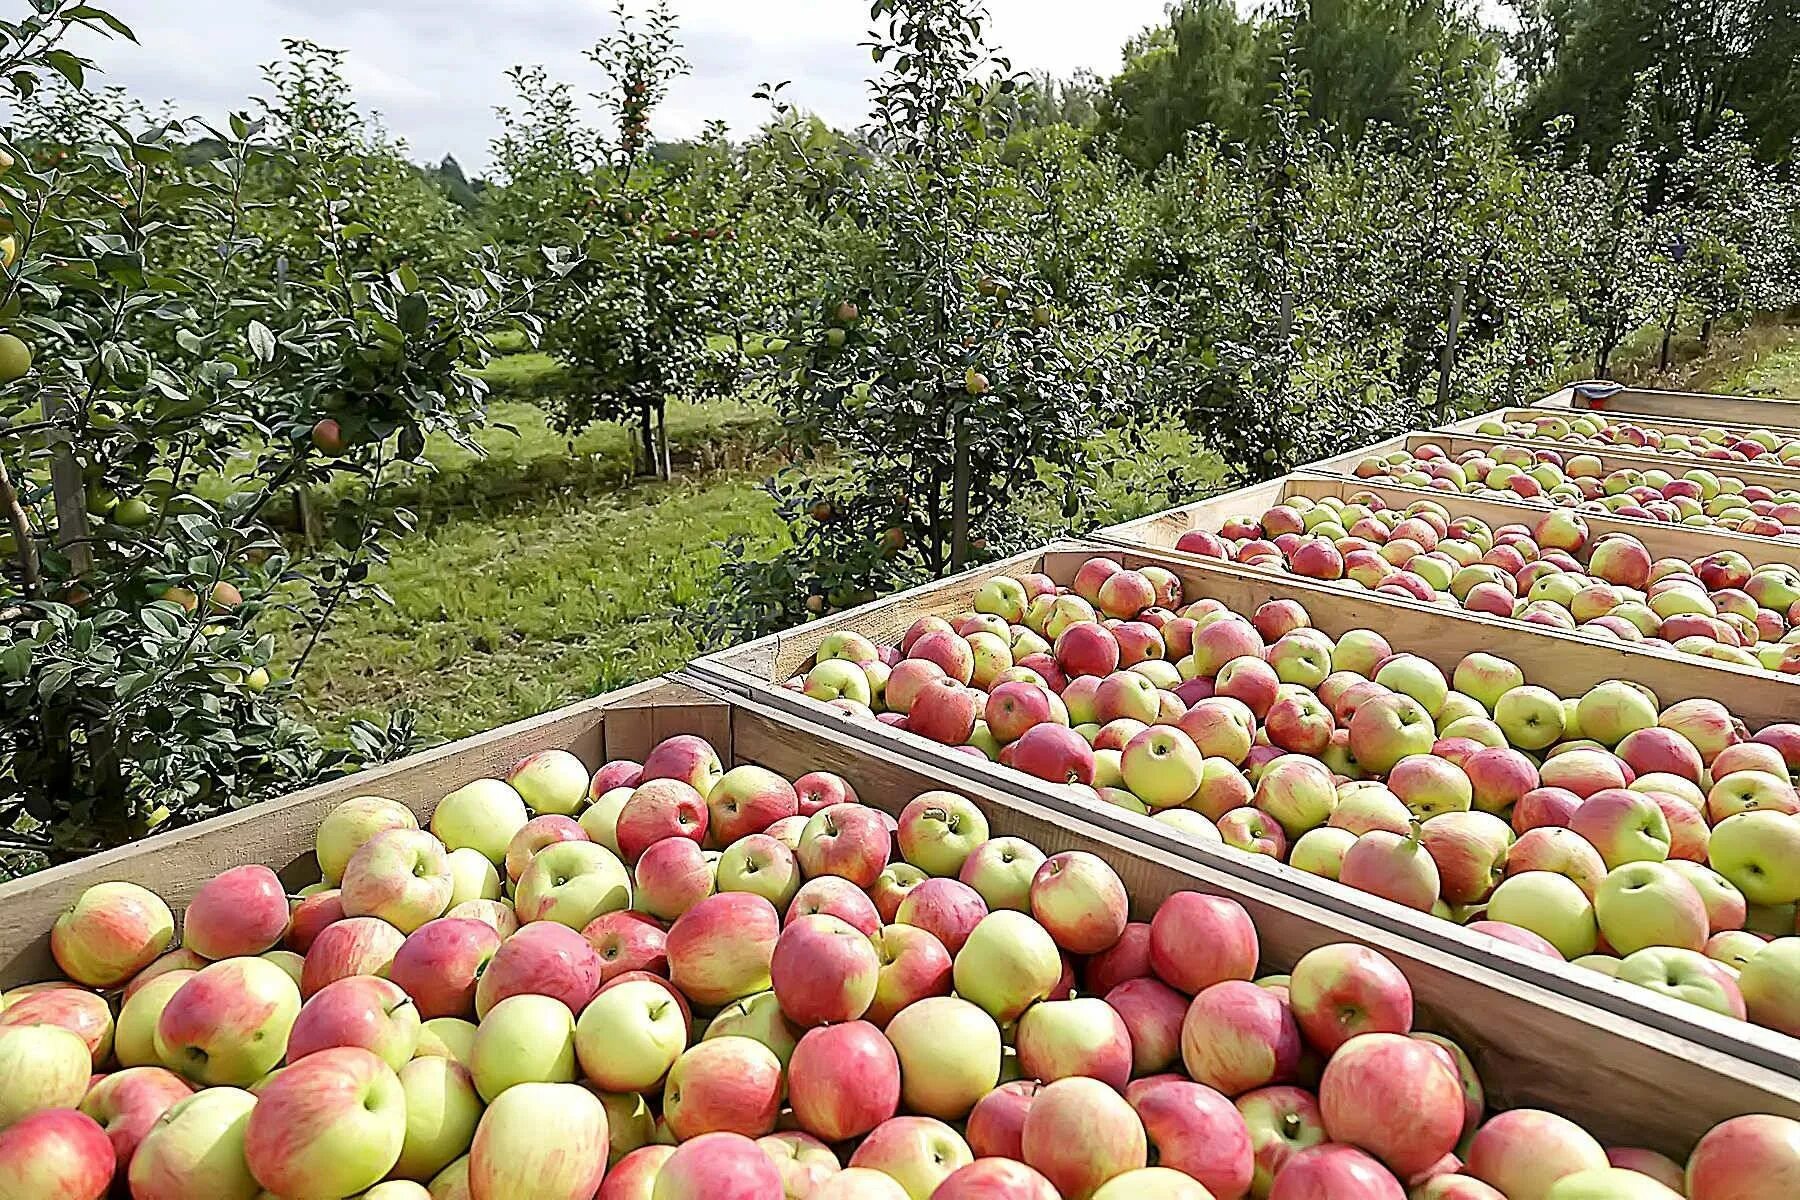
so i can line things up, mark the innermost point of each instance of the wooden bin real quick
(1564, 662)
(1627, 1083)
(1470, 426)
(1708, 407)
(1783, 479)
(1663, 540)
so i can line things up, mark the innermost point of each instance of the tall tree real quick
(1202, 68)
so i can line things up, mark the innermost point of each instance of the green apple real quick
(523, 1039)
(1759, 852)
(838, 679)
(1009, 963)
(939, 830)
(1530, 716)
(1770, 982)
(629, 1036)
(1486, 678)
(1684, 975)
(482, 815)
(1550, 905)
(442, 1110)
(196, 1148)
(949, 1053)
(1642, 904)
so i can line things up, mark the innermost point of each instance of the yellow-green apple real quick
(178, 959)
(918, 1153)
(1388, 728)
(1770, 983)
(720, 949)
(85, 1014)
(758, 864)
(1734, 947)
(1530, 716)
(288, 961)
(481, 815)
(726, 1084)
(56, 1153)
(1561, 850)
(629, 1036)
(523, 1039)
(657, 809)
(442, 1111)
(447, 1037)
(45, 1066)
(1551, 905)
(1685, 975)
(1080, 1133)
(1429, 786)
(693, 761)
(939, 830)
(1742, 791)
(946, 908)
(1470, 850)
(1359, 650)
(627, 941)
(1162, 766)
(847, 840)
(1643, 904)
(134, 1035)
(949, 1053)
(1339, 991)
(353, 822)
(1413, 676)
(1153, 1013)
(1321, 851)
(1282, 1122)
(240, 911)
(439, 962)
(836, 896)
(571, 883)
(1393, 866)
(914, 965)
(1003, 596)
(1001, 869)
(545, 959)
(544, 1140)
(999, 1177)
(1523, 1152)
(1008, 963)
(332, 1124)
(1746, 1156)
(1759, 852)
(823, 971)
(993, 654)
(1623, 825)
(1080, 901)
(1394, 1096)
(1127, 695)
(1198, 940)
(672, 876)
(1486, 678)
(397, 1189)
(838, 679)
(896, 882)
(1301, 658)
(1296, 791)
(228, 1025)
(197, 1149)
(110, 933)
(363, 1011)
(759, 1018)
(1612, 710)
(551, 781)
(533, 836)
(401, 876)
(1610, 1183)
(1367, 805)
(1335, 1172)
(1237, 1036)
(843, 1081)
(1062, 1038)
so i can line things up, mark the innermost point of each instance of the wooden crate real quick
(1781, 479)
(1663, 540)
(1471, 425)
(1672, 463)
(1628, 1083)
(1709, 407)
(1565, 662)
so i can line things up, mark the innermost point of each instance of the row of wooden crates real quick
(1632, 1066)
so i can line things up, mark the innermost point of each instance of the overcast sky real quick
(435, 69)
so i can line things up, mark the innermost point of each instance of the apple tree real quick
(160, 394)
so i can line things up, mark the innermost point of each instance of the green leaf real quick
(262, 341)
(66, 65)
(15, 661)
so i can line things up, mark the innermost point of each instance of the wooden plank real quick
(1772, 412)
(1662, 539)
(1471, 425)
(279, 833)
(1627, 1083)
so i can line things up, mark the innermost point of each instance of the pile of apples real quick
(674, 982)
(1660, 845)
(1695, 497)
(1763, 447)
(1551, 572)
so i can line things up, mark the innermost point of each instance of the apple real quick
(1198, 940)
(896, 882)
(1524, 1151)
(1684, 975)
(657, 809)
(949, 1053)
(353, 822)
(228, 1024)
(693, 761)
(353, 946)
(757, 863)
(46, 1066)
(482, 815)
(673, 875)
(1237, 1036)
(1396, 1097)
(847, 840)
(442, 1112)
(331, 1124)
(917, 1153)
(1153, 1013)
(600, 821)
(996, 1124)
(757, 1017)
(197, 1149)
(1759, 852)
(719, 1166)
(1469, 849)
(240, 911)
(373, 1014)
(748, 799)
(544, 959)
(55, 1153)
(526, 1038)
(1054, 753)
(1297, 792)
(551, 781)
(85, 1014)
(939, 830)
(401, 876)
(720, 949)
(1339, 991)
(1282, 1121)
(627, 941)
(802, 1160)
(1335, 1172)
(1499, 777)
(823, 971)
(1002, 870)
(1550, 905)
(1768, 985)
(947, 908)
(1080, 1133)
(1365, 806)
(1746, 1156)
(995, 1177)
(617, 773)
(544, 1140)
(1058, 1039)
(726, 1084)
(110, 933)
(1531, 717)
(1388, 728)
(1623, 825)
(134, 1040)
(1650, 904)
(1321, 851)
(843, 1081)
(629, 1036)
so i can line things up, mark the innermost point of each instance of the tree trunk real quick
(959, 499)
(649, 438)
(70, 495)
(1447, 361)
(666, 468)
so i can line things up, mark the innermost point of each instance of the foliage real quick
(174, 396)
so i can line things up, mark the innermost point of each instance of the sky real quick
(435, 69)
